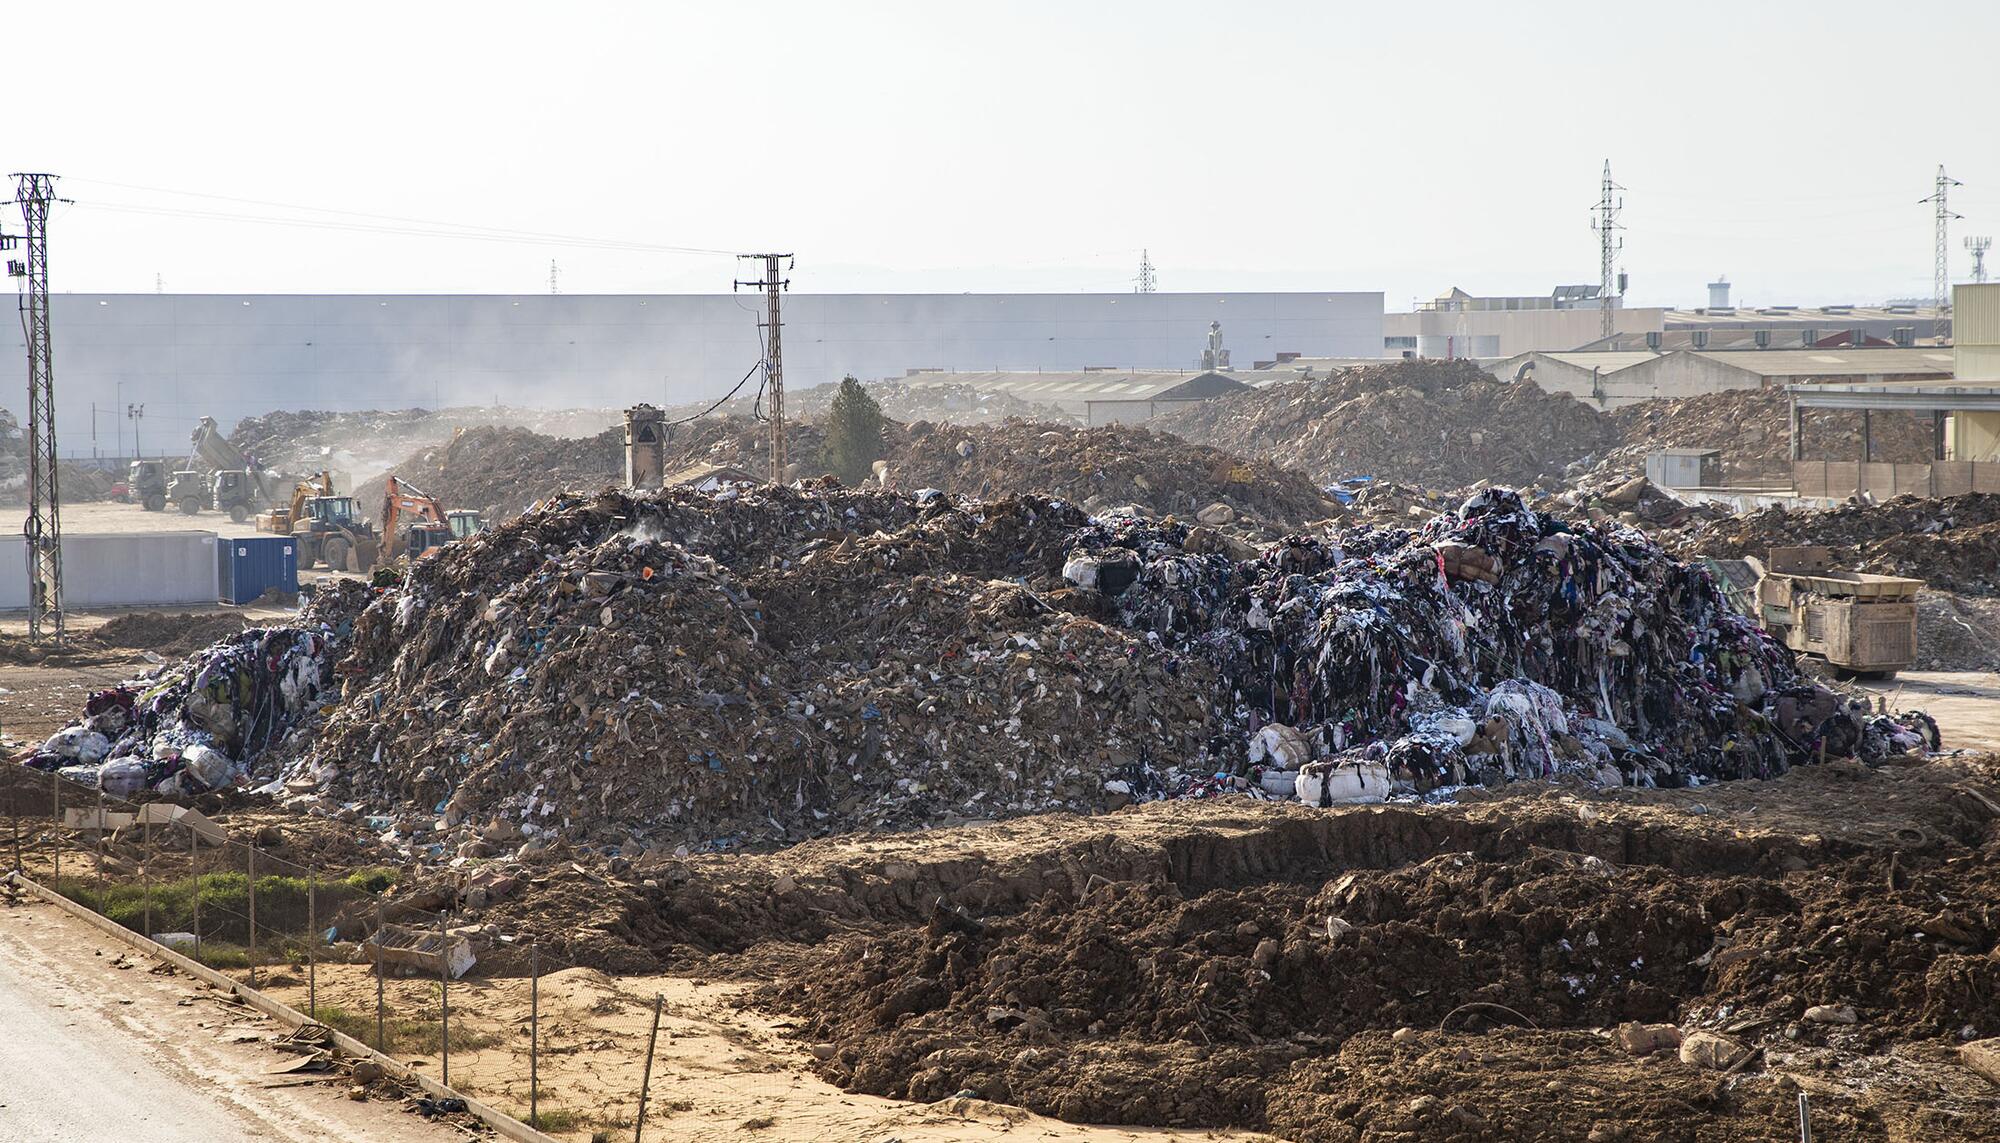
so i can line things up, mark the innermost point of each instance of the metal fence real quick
(234, 901)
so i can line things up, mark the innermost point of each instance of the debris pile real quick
(679, 669)
(366, 442)
(1494, 643)
(900, 401)
(1951, 543)
(204, 723)
(1440, 424)
(1752, 428)
(501, 470)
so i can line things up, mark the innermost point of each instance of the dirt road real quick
(97, 1047)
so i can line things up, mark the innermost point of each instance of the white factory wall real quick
(148, 569)
(232, 356)
(1505, 333)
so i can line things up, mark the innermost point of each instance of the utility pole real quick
(1147, 282)
(43, 529)
(1941, 315)
(774, 357)
(136, 414)
(1604, 220)
(1979, 245)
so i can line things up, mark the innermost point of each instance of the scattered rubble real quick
(366, 442)
(1951, 543)
(1439, 424)
(1752, 429)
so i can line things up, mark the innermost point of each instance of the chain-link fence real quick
(344, 946)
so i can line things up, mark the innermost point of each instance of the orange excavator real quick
(415, 523)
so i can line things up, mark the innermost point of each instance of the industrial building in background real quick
(229, 356)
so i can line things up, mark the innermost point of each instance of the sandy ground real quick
(720, 1072)
(97, 1047)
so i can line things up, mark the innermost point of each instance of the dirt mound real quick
(900, 401)
(1440, 424)
(366, 442)
(771, 664)
(1951, 543)
(1269, 1006)
(1752, 428)
(501, 470)
(156, 631)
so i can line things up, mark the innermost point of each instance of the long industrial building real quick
(234, 355)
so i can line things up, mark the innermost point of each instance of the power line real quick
(1147, 282)
(1604, 220)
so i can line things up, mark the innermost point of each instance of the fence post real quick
(194, 874)
(250, 875)
(102, 884)
(55, 792)
(378, 975)
(14, 804)
(146, 863)
(534, 1033)
(444, 1003)
(312, 942)
(646, 1076)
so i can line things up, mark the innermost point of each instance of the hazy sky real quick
(943, 145)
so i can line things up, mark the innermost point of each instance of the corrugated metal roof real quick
(1832, 362)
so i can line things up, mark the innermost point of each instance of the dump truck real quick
(240, 486)
(190, 490)
(146, 484)
(1860, 624)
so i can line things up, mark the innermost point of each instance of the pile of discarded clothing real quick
(1493, 643)
(204, 723)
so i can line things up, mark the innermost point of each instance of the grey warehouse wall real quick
(231, 356)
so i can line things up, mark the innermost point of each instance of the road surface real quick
(94, 1047)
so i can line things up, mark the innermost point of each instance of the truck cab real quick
(190, 490)
(146, 483)
(236, 493)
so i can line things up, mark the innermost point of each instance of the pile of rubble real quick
(681, 669)
(366, 442)
(677, 669)
(900, 401)
(207, 722)
(502, 471)
(1952, 543)
(1752, 429)
(1441, 424)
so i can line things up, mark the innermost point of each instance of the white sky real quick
(942, 145)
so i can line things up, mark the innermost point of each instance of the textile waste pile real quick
(1493, 643)
(215, 720)
(1440, 424)
(683, 669)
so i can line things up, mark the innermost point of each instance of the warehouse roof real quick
(1829, 318)
(1833, 362)
(1098, 384)
(1911, 395)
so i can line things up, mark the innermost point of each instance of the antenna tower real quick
(1941, 317)
(774, 358)
(1604, 220)
(34, 193)
(1147, 282)
(555, 285)
(1979, 245)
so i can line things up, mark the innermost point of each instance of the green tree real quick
(853, 433)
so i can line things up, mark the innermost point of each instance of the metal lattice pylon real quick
(34, 193)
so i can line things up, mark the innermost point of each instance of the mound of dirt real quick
(1269, 1006)
(365, 442)
(501, 470)
(172, 635)
(1952, 543)
(1439, 424)
(1752, 428)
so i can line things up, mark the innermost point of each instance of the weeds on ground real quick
(405, 1034)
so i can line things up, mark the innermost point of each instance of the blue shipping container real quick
(249, 566)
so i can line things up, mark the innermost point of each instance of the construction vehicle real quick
(1861, 624)
(415, 523)
(330, 531)
(239, 485)
(238, 493)
(147, 484)
(190, 489)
